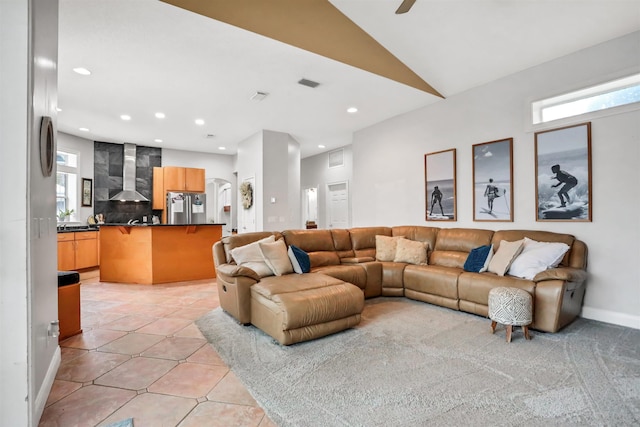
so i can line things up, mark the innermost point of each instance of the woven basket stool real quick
(510, 307)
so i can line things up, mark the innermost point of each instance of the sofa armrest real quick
(232, 270)
(357, 260)
(567, 274)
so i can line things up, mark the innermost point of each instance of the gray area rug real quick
(413, 364)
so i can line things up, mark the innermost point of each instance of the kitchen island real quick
(160, 253)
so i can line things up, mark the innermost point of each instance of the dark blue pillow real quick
(477, 258)
(299, 260)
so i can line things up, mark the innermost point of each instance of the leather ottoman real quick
(300, 307)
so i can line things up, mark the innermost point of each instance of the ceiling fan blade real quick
(405, 6)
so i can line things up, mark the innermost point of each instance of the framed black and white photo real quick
(493, 181)
(87, 191)
(440, 185)
(563, 173)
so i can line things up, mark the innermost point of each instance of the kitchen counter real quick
(157, 253)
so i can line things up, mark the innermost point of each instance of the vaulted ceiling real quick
(148, 56)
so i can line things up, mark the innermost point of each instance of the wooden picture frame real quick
(440, 185)
(563, 173)
(87, 192)
(493, 181)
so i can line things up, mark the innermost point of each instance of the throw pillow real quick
(536, 257)
(251, 257)
(502, 259)
(477, 259)
(276, 257)
(485, 267)
(411, 252)
(386, 247)
(299, 260)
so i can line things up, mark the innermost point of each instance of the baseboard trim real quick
(47, 383)
(613, 317)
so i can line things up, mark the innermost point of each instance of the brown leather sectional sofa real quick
(298, 307)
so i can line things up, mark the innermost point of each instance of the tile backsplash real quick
(107, 179)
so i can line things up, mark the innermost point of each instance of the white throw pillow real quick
(276, 257)
(537, 257)
(411, 252)
(250, 256)
(386, 247)
(505, 255)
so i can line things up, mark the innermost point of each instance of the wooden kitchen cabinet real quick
(183, 179)
(78, 250)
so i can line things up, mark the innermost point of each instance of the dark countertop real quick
(82, 228)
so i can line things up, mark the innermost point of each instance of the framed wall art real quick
(563, 173)
(87, 191)
(493, 181)
(440, 185)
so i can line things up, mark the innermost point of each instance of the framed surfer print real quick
(440, 185)
(563, 173)
(493, 181)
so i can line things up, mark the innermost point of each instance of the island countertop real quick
(157, 253)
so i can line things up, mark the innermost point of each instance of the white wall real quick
(249, 165)
(84, 148)
(388, 170)
(28, 283)
(315, 172)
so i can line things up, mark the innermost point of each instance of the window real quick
(601, 97)
(66, 182)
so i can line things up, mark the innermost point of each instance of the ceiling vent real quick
(258, 96)
(309, 83)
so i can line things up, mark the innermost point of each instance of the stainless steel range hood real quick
(129, 193)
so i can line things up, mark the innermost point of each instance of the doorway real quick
(338, 205)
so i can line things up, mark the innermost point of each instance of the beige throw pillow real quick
(250, 256)
(386, 247)
(502, 259)
(276, 256)
(411, 252)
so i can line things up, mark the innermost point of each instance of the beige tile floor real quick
(141, 355)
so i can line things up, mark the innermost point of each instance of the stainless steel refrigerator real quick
(186, 208)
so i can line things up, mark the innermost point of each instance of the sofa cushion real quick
(299, 259)
(276, 257)
(432, 279)
(537, 257)
(363, 240)
(411, 252)
(251, 257)
(506, 253)
(386, 247)
(475, 287)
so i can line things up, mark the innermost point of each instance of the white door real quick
(338, 205)
(248, 215)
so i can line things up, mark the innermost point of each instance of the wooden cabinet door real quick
(66, 255)
(173, 178)
(194, 180)
(86, 253)
(158, 201)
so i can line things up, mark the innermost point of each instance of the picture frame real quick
(563, 173)
(87, 192)
(493, 181)
(440, 185)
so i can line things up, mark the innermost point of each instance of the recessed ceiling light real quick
(222, 148)
(58, 109)
(321, 146)
(82, 71)
(160, 115)
(199, 122)
(352, 110)
(84, 129)
(157, 140)
(125, 117)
